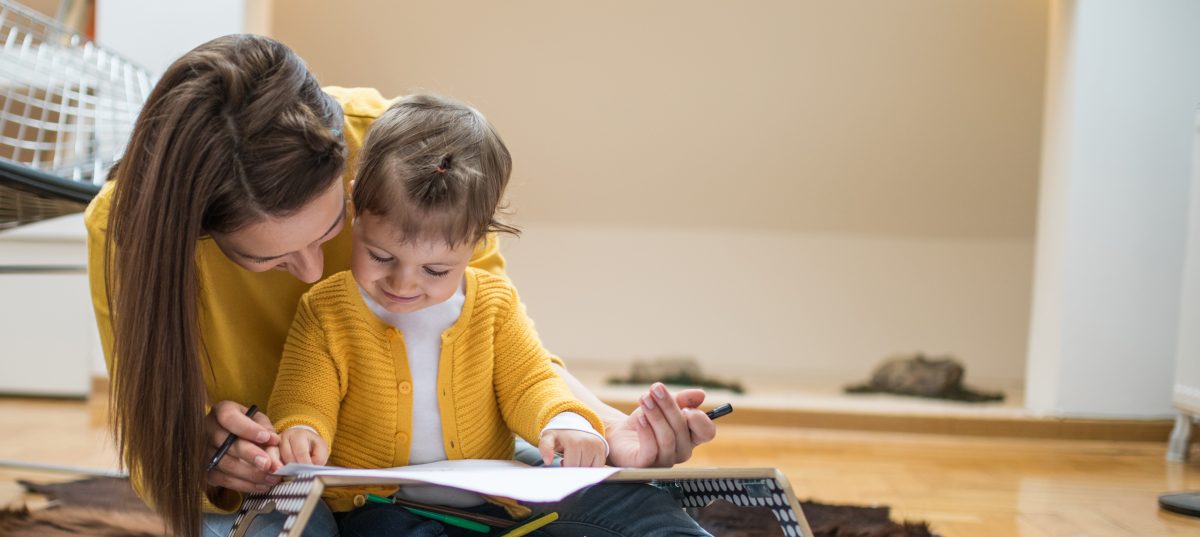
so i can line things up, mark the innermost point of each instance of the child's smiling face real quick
(405, 276)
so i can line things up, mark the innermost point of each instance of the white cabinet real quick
(48, 340)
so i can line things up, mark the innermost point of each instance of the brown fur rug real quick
(103, 506)
(108, 507)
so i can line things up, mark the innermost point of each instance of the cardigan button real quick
(405, 387)
(401, 438)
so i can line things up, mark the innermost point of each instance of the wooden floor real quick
(964, 486)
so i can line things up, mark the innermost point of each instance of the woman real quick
(229, 202)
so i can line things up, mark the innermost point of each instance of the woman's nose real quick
(308, 264)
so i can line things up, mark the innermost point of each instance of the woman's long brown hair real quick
(235, 131)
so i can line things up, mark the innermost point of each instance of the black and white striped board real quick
(295, 498)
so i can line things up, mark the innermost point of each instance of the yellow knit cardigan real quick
(345, 373)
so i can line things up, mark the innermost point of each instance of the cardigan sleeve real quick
(528, 390)
(308, 385)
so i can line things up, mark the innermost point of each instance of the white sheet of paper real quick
(510, 479)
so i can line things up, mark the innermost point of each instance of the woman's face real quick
(291, 243)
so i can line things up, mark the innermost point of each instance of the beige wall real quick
(865, 171)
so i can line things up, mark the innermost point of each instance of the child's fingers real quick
(276, 459)
(302, 449)
(599, 453)
(572, 454)
(320, 452)
(285, 451)
(546, 447)
(598, 459)
(581, 449)
(592, 457)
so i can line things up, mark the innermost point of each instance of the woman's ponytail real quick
(236, 130)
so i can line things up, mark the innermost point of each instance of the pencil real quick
(450, 519)
(533, 525)
(228, 442)
(444, 518)
(719, 411)
(485, 519)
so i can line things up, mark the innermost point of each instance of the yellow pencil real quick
(525, 529)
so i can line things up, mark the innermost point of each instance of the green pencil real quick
(446, 519)
(451, 520)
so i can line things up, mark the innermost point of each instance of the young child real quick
(412, 356)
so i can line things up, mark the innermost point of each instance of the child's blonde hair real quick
(436, 168)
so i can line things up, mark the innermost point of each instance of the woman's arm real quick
(661, 432)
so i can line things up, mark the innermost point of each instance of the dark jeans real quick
(320, 524)
(604, 510)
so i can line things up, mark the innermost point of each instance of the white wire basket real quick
(67, 107)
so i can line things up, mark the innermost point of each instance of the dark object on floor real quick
(103, 506)
(98, 493)
(72, 521)
(914, 374)
(853, 521)
(725, 519)
(674, 371)
(108, 507)
(1184, 503)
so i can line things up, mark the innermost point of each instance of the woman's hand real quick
(248, 465)
(662, 431)
(578, 448)
(303, 446)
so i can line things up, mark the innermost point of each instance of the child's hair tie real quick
(444, 164)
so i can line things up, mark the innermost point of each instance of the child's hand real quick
(301, 445)
(577, 447)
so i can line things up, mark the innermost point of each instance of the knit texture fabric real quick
(345, 373)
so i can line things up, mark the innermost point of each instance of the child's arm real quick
(530, 394)
(307, 391)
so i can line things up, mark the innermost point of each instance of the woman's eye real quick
(437, 273)
(378, 259)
